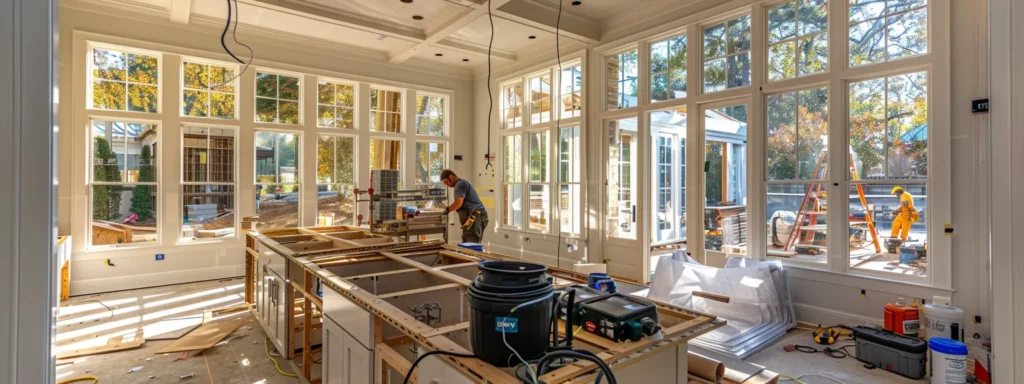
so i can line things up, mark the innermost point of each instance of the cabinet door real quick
(333, 365)
(358, 361)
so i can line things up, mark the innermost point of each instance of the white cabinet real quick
(345, 360)
(273, 313)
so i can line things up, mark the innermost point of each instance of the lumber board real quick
(204, 337)
(116, 343)
(391, 359)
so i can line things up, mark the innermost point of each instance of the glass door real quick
(724, 185)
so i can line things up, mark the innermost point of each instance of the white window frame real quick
(277, 99)
(444, 155)
(300, 147)
(355, 172)
(90, 183)
(885, 36)
(183, 183)
(355, 103)
(504, 108)
(724, 21)
(838, 76)
(92, 46)
(446, 107)
(403, 111)
(574, 153)
(181, 88)
(668, 68)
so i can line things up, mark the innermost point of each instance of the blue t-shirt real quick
(471, 201)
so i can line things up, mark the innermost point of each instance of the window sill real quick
(538, 233)
(862, 281)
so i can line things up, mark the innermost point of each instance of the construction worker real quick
(905, 215)
(472, 215)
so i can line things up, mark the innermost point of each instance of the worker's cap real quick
(896, 188)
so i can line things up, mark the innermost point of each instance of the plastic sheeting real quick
(760, 310)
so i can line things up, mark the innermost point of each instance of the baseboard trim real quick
(817, 315)
(121, 283)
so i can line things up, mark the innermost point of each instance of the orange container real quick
(902, 319)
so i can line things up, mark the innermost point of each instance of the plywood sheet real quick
(204, 337)
(117, 343)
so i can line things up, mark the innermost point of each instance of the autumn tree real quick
(124, 81)
(209, 90)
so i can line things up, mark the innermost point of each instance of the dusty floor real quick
(848, 370)
(242, 359)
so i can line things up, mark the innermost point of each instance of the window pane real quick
(907, 34)
(222, 105)
(335, 204)
(725, 186)
(266, 110)
(124, 214)
(208, 211)
(142, 98)
(738, 33)
(668, 186)
(385, 110)
(513, 162)
(540, 203)
(899, 243)
(430, 162)
(896, 6)
(622, 79)
(813, 16)
(782, 22)
(569, 155)
(739, 70)
(108, 65)
(345, 95)
(208, 91)
(861, 10)
(195, 76)
(289, 88)
(714, 41)
(572, 92)
(288, 112)
(813, 54)
(734, 69)
(325, 93)
(797, 135)
(889, 127)
(539, 157)
(512, 105)
(266, 85)
(344, 118)
(659, 56)
(385, 154)
(276, 158)
(782, 61)
(570, 203)
(325, 116)
(622, 175)
(714, 75)
(668, 68)
(540, 99)
(430, 115)
(867, 42)
(195, 103)
(795, 232)
(221, 79)
(512, 210)
(108, 95)
(335, 199)
(277, 206)
(782, 137)
(124, 152)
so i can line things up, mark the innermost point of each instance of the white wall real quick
(135, 268)
(821, 296)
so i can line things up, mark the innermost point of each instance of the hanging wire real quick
(558, 122)
(490, 96)
(234, 36)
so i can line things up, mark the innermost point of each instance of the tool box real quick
(583, 293)
(900, 354)
(619, 317)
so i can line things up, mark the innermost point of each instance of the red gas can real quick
(902, 319)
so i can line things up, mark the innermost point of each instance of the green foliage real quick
(142, 195)
(713, 187)
(106, 198)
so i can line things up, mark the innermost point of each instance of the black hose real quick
(418, 359)
(224, 34)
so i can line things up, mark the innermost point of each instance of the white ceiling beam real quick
(473, 49)
(180, 10)
(545, 17)
(444, 28)
(337, 18)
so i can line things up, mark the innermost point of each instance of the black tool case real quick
(900, 354)
(619, 317)
(583, 293)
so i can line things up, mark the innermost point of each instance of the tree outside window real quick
(208, 90)
(124, 81)
(124, 183)
(797, 39)
(884, 30)
(277, 98)
(727, 55)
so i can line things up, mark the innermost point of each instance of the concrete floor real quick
(241, 360)
(848, 370)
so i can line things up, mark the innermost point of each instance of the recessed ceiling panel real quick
(509, 36)
(393, 11)
(599, 9)
(452, 58)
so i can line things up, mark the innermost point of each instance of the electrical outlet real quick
(159, 257)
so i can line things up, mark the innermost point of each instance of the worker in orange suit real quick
(905, 215)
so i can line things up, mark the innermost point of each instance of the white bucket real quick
(942, 320)
(948, 361)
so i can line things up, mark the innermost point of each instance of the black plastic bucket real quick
(510, 273)
(527, 330)
(498, 289)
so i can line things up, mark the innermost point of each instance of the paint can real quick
(948, 361)
(944, 321)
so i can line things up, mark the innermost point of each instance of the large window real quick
(884, 30)
(385, 110)
(512, 105)
(571, 84)
(725, 179)
(335, 180)
(797, 139)
(622, 196)
(888, 130)
(430, 115)
(727, 55)
(797, 39)
(538, 184)
(668, 69)
(512, 181)
(123, 182)
(622, 78)
(335, 104)
(668, 187)
(277, 98)
(124, 81)
(208, 90)
(277, 179)
(569, 163)
(385, 154)
(540, 99)
(430, 161)
(207, 183)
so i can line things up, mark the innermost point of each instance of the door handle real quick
(633, 214)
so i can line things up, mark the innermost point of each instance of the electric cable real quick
(558, 123)
(418, 359)
(276, 364)
(798, 381)
(224, 34)
(490, 95)
(533, 373)
(234, 36)
(100, 303)
(835, 353)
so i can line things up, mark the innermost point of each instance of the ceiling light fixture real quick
(465, 59)
(417, 17)
(577, 2)
(438, 54)
(407, 1)
(532, 37)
